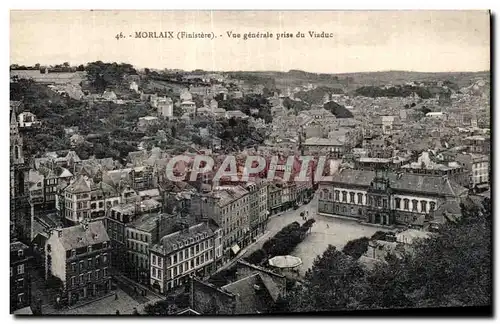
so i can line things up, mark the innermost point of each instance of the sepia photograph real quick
(238, 162)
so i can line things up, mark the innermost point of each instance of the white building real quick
(194, 250)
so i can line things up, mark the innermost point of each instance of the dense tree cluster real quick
(356, 248)
(102, 76)
(338, 110)
(316, 96)
(295, 105)
(391, 92)
(452, 268)
(245, 104)
(283, 243)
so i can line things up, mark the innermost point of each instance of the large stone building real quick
(229, 207)
(80, 257)
(391, 198)
(258, 206)
(83, 200)
(193, 250)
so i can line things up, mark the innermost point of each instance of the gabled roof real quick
(75, 237)
(252, 295)
(80, 185)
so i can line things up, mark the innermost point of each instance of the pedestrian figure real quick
(116, 295)
(117, 312)
(327, 226)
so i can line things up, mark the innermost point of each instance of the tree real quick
(334, 282)
(452, 268)
(356, 248)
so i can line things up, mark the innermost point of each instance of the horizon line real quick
(256, 71)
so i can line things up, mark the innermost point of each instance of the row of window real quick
(377, 201)
(136, 236)
(89, 276)
(352, 196)
(89, 249)
(188, 265)
(143, 248)
(414, 205)
(91, 262)
(192, 251)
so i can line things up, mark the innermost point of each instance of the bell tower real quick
(20, 211)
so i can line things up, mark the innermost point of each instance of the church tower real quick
(19, 204)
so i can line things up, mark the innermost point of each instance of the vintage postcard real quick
(250, 162)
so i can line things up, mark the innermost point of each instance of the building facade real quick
(20, 281)
(191, 251)
(390, 198)
(80, 257)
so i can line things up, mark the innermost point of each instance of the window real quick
(20, 253)
(384, 203)
(398, 203)
(181, 256)
(344, 196)
(432, 206)
(98, 273)
(20, 269)
(160, 262)
(159, 274)
(351, 197)
(153, 272)
(330, 196)
(337, 208)
(104, 245)
(423, 205)
(73, 281)
(191, 250)
(49, 248)
(101, 204)
(11, 271)
(197, 248)
(175, 271)
(20, 298)
(406, 204)
(89, 249)
(81, 279)
(154, 259)
(73, 252)
(105, 272)
(192, 263)
(81, 265)
(175, 258)
(73, 266)
(414, 204)
(90, 262)
(360, 198)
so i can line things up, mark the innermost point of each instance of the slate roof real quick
(76, 236)
(252, 295)
(80, 185)
(420, 183)
(178, 237)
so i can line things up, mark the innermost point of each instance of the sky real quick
(363, 41)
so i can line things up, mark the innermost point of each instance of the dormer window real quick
(89, 248)
(20, 253)
(73, 252)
